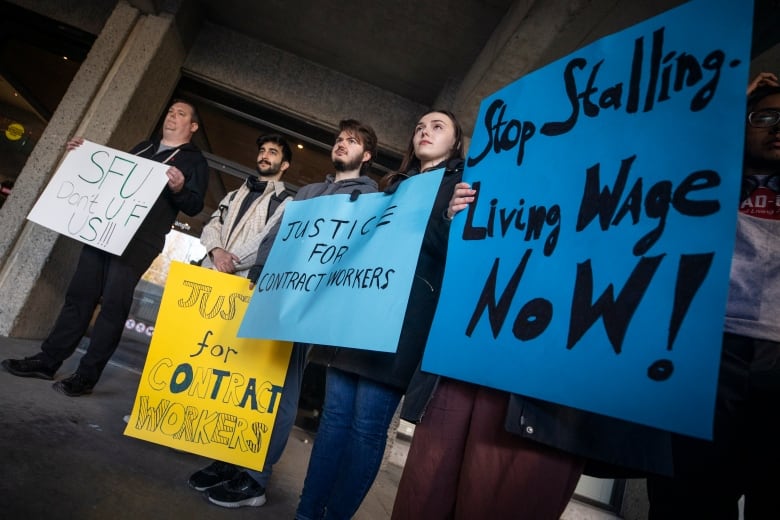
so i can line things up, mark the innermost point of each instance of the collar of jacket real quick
(154, 145)
(451, 165)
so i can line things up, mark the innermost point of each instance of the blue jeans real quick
(349, 446)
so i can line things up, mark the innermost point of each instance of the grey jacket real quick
(396, 369)
(329, 186)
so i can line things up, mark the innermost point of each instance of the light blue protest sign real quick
(340, 271)
(592, 269)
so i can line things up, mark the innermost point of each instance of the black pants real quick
(100, 278)
(743, 457)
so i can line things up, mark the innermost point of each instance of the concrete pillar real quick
(635, 503)
(115, 99)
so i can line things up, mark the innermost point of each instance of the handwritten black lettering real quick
(325, 253)
(532, 223)
(497, 309)
(603, 202)
(676, 71)
(200, 293)
(200, 426)
(514, 133)
(357, 278)
(616, 314)
(217, 350)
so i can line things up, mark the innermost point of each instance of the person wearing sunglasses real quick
(742, 459)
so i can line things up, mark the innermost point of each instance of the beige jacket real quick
(244, 239)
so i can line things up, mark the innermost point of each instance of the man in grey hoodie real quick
(225, 484)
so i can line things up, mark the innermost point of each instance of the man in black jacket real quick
(110, 280)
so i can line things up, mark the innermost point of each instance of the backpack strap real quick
(276, 200)
(224, 207)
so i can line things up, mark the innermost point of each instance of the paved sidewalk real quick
(66, 458)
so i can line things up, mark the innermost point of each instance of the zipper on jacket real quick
(171, 156)
(430, 286)
(139, 152)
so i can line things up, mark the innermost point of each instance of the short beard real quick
(342, 166)
(269, 173)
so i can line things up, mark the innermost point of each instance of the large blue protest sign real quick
(592, 269)
(340, 271)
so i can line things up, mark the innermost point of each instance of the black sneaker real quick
(241, 491)
(29, 367)
(74, 385)
(213, 475)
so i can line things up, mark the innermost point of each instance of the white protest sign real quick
(100, 196)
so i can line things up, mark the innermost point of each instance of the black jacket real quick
(613, 448)
(189, 200)
(396, 369)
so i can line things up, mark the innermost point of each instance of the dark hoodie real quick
(613, 448)
(189, 200)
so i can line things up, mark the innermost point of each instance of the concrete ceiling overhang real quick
(408, 47)
(449, 53)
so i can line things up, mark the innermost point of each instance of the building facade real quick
(138, 54)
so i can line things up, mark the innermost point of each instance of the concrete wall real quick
(122, 87)
(89, 16)
(118, 94)
(299, 87)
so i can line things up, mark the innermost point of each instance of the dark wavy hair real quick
(367, 138)
(758, 94)
(278, 140)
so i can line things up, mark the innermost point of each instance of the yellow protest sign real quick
(204, 390)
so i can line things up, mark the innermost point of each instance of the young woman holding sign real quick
(478, 452)
(363, 388)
